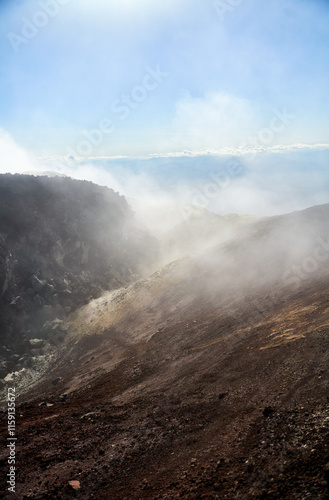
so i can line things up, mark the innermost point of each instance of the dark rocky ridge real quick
(62, 242)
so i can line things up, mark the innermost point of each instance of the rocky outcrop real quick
(62, 242)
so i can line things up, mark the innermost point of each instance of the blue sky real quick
(222, 74)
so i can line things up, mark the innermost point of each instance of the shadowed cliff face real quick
(62, 242)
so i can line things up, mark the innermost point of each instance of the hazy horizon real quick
(220, 104)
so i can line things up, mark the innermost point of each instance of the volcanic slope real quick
(62, 242)
(206, 380)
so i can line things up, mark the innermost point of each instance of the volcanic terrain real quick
(204, 378)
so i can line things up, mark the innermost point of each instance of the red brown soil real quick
(218, 402)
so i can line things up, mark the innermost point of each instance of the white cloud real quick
(267, 186)
(224, 151)
(214, 121)
(14, 159)
(242, 150)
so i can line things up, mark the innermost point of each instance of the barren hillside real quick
(207, 379)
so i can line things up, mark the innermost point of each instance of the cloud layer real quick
(271, 181)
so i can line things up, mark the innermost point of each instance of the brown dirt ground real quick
(178, 397)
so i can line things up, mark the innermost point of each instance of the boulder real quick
(54, 330)
(37, 284)
(37, 343)
(18, 303)
(39, 301)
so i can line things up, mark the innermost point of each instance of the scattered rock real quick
(18, 302)
(39, 301)
(268, 411)
(36, 352)
(14, 358)
(26, 361)
(56, 381)
(37, 343)
(37, 284)
(75, 484)
(90, 415)
(55, 331)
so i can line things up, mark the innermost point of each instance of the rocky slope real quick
(62, 243)
(183, 230)
(207, 379)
